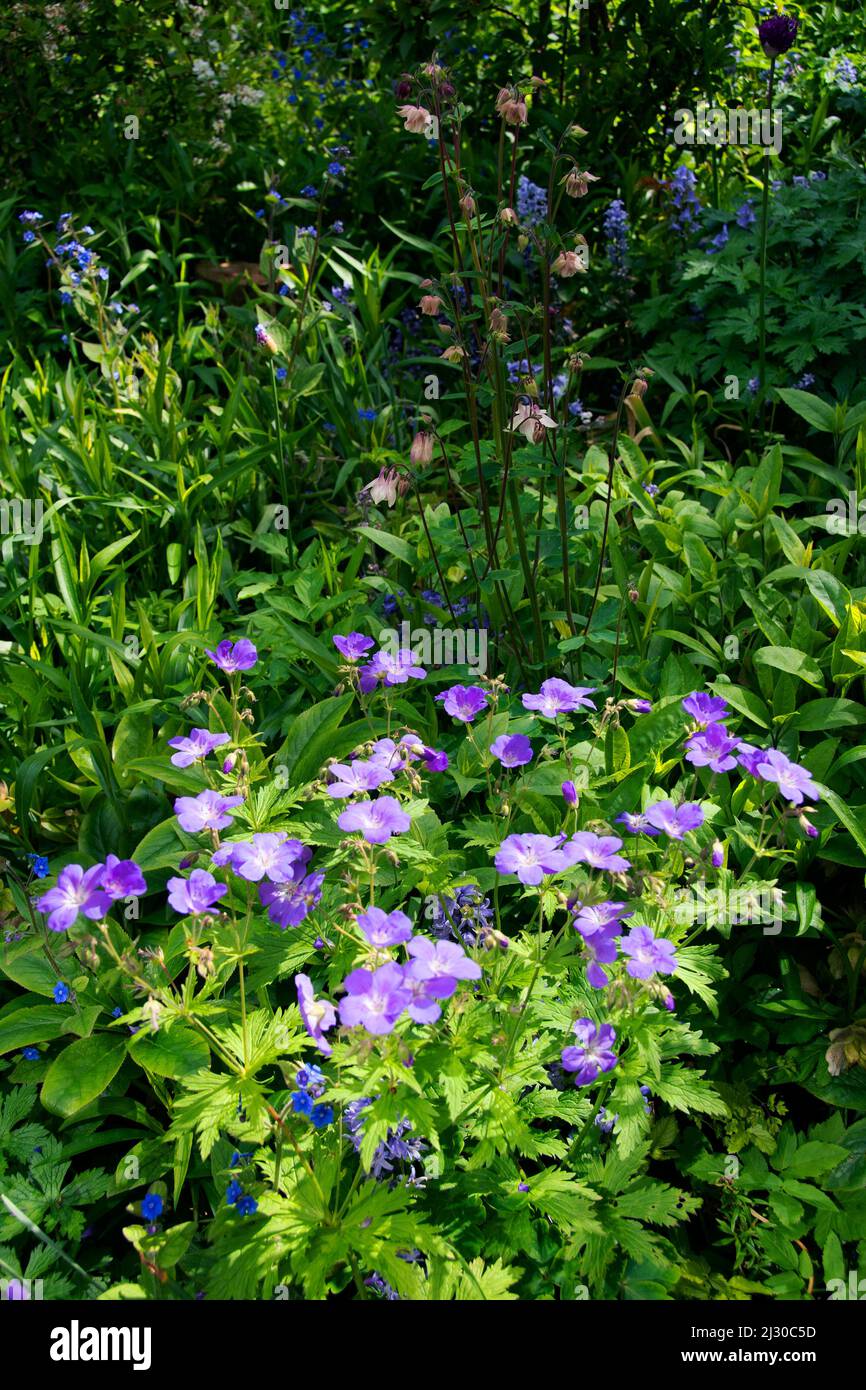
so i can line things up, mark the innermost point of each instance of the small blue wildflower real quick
(151, 1207)
(247, 1205)
(233, 1192)
(322, 1115)
(39, 866)
(31, 1054)
(61, 992)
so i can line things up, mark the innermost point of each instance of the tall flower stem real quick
(762, 286)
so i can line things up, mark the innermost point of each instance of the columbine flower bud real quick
(430, 304)
(403, 88)
(454, 353)
(569, 791)
(421, 451)
(467, 204)
(633, 595)
(499, 326)
(509, 217)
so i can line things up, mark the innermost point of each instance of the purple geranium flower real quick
(435, 759)
(377, 820)
(352, 778)
(289, 903)
(649, 955)
(558, 697)
(270, 855)
(374, 999)
(594, 1053)
(749, 757)
(530, 857)
(793, 781)
(598, 851)
(713, 747)
(600, 949)
(207, 811)
(675, 821)
(234, 656)
(464, 702)
(706, 709)
(635, 823)
(384, 928)
(354, 646)
(512, 750)
(122, 878)
(77, 890)
(425, 995)
(392, 669)
(599, 916)
(444, 961)
(317, 1015)
(196, 747)
(397, 756)
(195, 894)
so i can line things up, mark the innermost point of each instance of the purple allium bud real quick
(777, 34)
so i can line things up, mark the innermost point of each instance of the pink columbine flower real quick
(531, 419)
(416, 119)
(421, 451)
(568, 263)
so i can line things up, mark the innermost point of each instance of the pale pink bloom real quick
(383, 488)
(531, 420)
(422, 448)
(511, 106)
(509, 217)
(567, 263)
(416, 119)
(577, 183)
(430, 304)
(454, 353)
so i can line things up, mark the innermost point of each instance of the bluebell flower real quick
(615, 224)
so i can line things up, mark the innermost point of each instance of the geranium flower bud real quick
(718, 858)
(421, 451)
(569, 791)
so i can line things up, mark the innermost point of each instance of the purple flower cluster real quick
(532, 857)
(398, 1157)
(663, 817)
(90, 892)
(376, 820)
(711, 745)
(376, 999)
